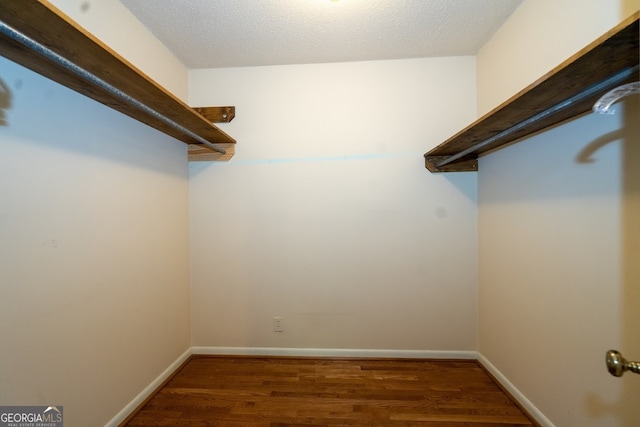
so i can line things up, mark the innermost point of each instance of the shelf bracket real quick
(433, 164)
(217, 114)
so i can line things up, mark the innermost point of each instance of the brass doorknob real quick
(617, 365)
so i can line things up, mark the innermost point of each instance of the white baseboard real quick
(517, 394)
(334, 352)
(127, 410)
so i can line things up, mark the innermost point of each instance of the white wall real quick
(94, 292)
(114, 25)
(537, 37)
(327, 217)
(558, 230)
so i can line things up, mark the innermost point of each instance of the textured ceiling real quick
(234, 33)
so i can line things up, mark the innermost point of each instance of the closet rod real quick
(606, 84)
(81, 72)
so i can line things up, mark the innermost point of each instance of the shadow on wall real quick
(5, 102)
(586, 154)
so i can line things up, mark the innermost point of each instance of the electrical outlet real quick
(277, 324)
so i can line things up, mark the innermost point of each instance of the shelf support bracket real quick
(217, 114)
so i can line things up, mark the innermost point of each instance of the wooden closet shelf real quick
(567, 91)
(54, 46)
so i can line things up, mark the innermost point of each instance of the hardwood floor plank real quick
(277, 392)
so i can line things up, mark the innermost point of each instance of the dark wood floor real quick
(278, 392)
